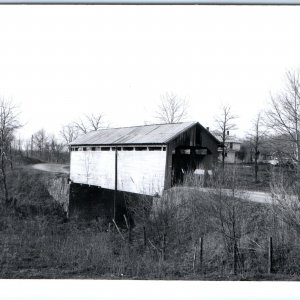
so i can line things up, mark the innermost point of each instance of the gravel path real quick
(261, 197)
(53, 168)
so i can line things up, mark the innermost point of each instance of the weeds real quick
(38, 242)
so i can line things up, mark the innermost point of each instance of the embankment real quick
(58, 187)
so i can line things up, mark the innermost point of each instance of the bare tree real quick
(8, 124)
(283, 120)
(69, 133)
(47, 147)
(81, 126)
(285, 190)
(39, 140)
(283, 116)
(172, 109)
(90, 123)
(256, 139)
(225, 123)
(234, 216)
(95, 121)
(54, 149)
(27, 147)
(227, 211)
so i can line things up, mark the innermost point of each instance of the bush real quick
(162, 243)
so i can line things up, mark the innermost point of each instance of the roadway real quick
(52, 168)
(255, 196)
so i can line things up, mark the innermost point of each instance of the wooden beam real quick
(116, 182)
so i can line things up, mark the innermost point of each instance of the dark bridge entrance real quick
(186, 160)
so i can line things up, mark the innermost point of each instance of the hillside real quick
(40, 242)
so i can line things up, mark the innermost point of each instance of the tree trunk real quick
(256, 167)
(4, 180)
(234, 243)
(234, 257)
(11, 158)
(270, 256)
(164, 247)
(223, 159)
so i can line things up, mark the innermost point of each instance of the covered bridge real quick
(142, 159)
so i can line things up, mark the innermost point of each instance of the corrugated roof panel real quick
(148, 134)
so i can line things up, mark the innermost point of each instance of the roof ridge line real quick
(158, 124)
(143, 134)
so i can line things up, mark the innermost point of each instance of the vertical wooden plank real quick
(168, 167)
(116, 181)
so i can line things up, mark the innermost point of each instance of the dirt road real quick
(261, 197)
(52, 168)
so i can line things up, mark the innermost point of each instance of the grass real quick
(38, 242)
(247, 180)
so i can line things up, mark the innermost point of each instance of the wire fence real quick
(204, 257)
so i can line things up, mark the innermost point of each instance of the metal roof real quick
(147, 134)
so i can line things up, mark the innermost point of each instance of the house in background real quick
(142, 159)
(232, 149)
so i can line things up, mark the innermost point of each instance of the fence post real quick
(194, 257)
(234, 257)
(270, 256)
(164, 247)
(201, 253)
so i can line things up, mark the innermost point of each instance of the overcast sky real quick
(59, 62)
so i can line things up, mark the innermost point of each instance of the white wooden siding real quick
(236, 146)
(138, 171)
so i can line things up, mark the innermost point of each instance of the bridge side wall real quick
(138, 171)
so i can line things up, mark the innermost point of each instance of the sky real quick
(58, 63)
